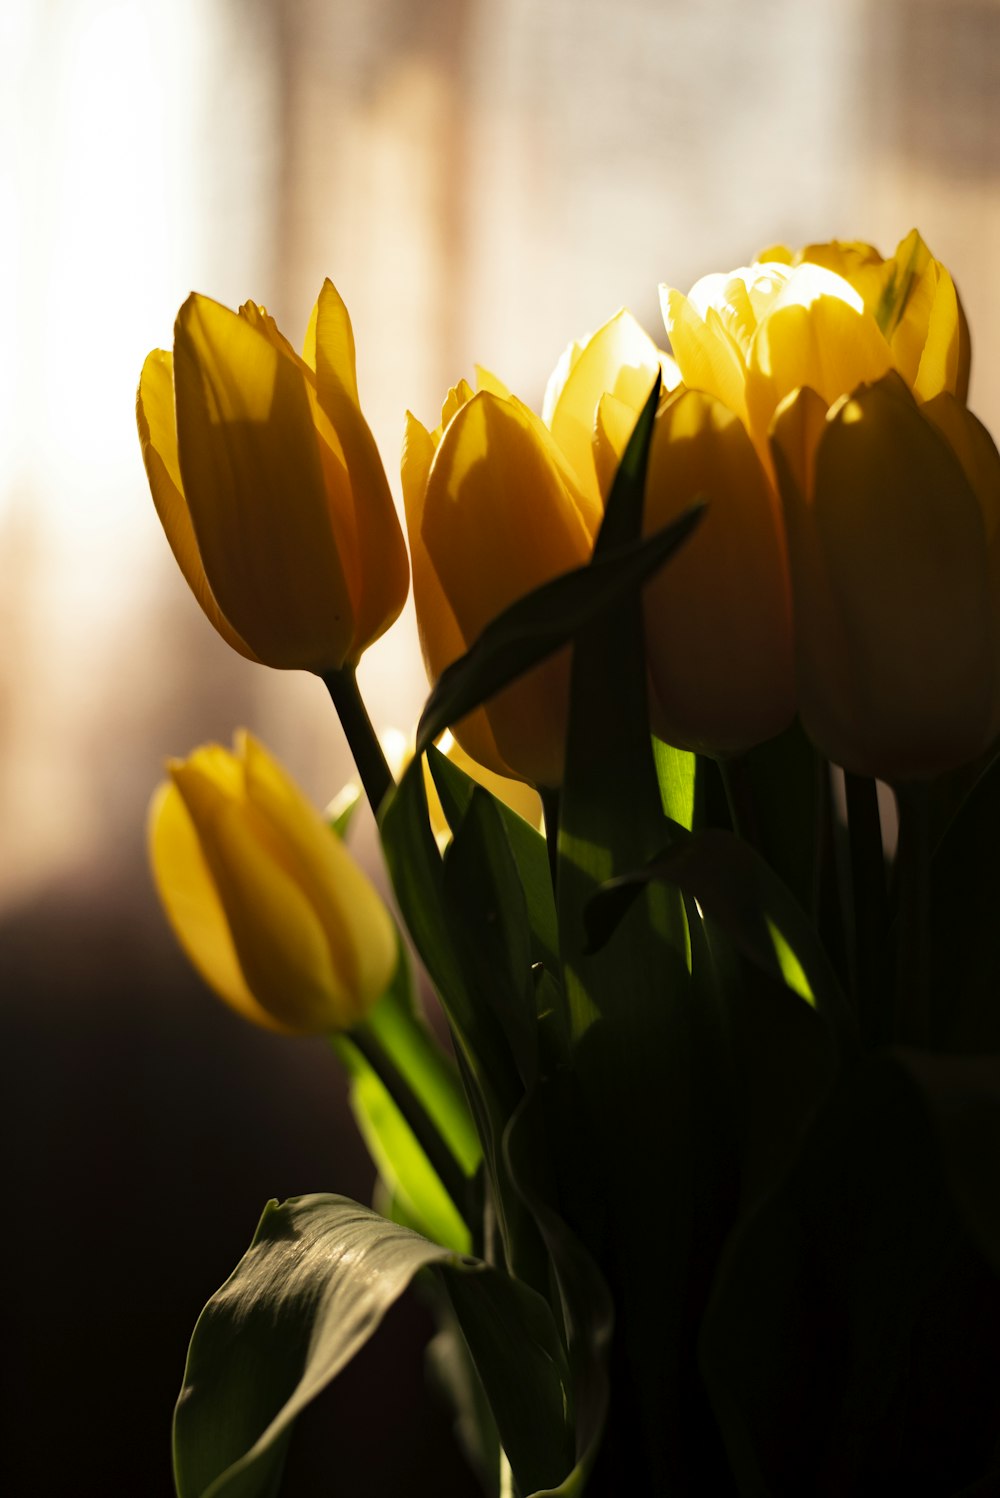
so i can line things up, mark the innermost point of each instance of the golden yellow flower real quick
(830, 320)
(893, 512)
(498, 502)
(269, 486)
(264, 898)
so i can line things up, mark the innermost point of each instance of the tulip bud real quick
(268, 484)
(893, 583)
(499, 502)
(718, 618)
(263, 896)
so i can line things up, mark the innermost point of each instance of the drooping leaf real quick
(315, 1284)
(543, 622)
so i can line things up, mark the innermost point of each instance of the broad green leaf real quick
(543, 622)
(733, 884)
(491, 927)
(675, 771)
(431, 906)
(455, 789)
(313, 1287)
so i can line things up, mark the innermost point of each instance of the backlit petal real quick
(154, 409)
(254, 484)
(193, 907)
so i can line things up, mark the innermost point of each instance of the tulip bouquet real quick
(704, 1192)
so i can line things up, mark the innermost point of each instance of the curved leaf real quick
(314, 1285)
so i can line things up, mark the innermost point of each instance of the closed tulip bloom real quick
(264, 897)
(496, 505)
(892, 512)
(268, 484)
(830, 319)
(718, 617)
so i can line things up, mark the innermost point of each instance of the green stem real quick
(912, 1018)
(870, 904)
(738, 783)
(376, 777)
(418, 1119)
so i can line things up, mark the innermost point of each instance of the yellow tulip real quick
(263, 897)
(269, 486)
(892, 512)
(498, 502)
(718, 617)
(829, 319)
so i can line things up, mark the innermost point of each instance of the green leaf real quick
(491, 928)
(536, 1151)
(733, 884)
(455, 789)
(651, 1101)
(398, 1157)
(415, 867)
(340, 812)
(542, 622)
(315, 1284)
(406, 1038)
(676, 770)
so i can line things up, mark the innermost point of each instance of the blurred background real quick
(483, 180)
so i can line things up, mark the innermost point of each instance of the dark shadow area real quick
(144, 1129)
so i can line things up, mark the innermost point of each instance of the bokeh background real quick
(483, 180)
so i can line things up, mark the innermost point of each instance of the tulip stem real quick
(913, 949)
(419, 1121)
(738, 784)
(376, 777)
(869, 901)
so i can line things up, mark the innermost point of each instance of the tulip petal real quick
(707, 359)
(154, 410)
(614, 426)
(825, 343)
(498, 521)
(620, 359)
(441, 640)
(279, 941)
(254, 484)
(975, 450)
(191, 901)
(372, 548)
(356, 923)
(905, 548)
(823, 681)
(717, 618)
